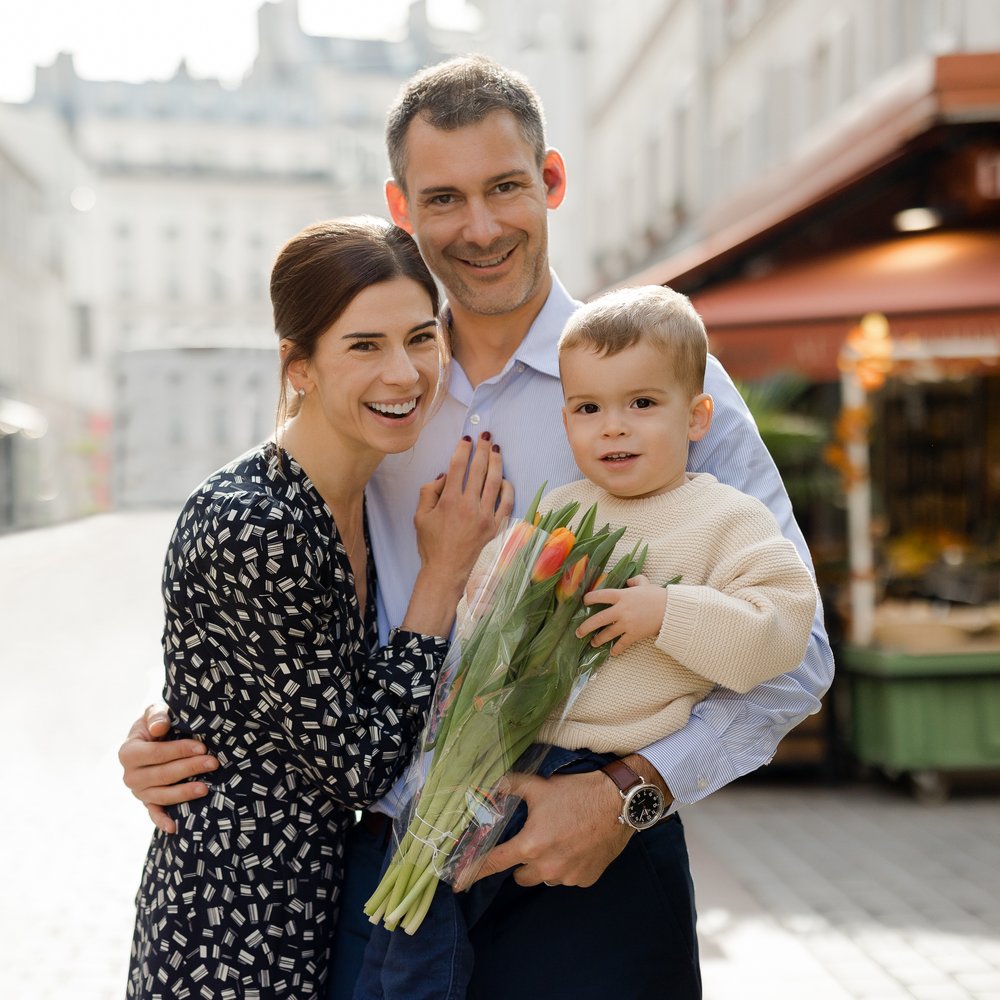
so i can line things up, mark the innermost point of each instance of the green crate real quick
(924, 712)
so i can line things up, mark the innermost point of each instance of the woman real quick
(270, 643)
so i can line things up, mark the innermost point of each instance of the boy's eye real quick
(643, 402)
(588, 408)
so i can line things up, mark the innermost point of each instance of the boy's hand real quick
(632, 614)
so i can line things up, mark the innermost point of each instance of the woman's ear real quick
(297, 370)
(700, 420)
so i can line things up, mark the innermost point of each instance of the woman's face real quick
(372, 377)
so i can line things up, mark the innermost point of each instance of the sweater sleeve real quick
(346, 717)
(752, 619)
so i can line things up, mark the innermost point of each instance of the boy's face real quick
(628, 420)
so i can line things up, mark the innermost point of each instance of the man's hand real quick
(571, 834)
(153, 769)
(572, 831)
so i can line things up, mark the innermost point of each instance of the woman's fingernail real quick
(440, 475)
(465, 437)
(496, 447)
(485, 435)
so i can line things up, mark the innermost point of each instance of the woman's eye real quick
(362, 346)
(422, 338)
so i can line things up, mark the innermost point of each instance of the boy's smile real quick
(628, 419)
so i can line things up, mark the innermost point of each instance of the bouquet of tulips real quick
(515, 661)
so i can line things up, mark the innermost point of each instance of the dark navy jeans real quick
(631, 935)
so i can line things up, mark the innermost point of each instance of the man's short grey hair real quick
(459, 93)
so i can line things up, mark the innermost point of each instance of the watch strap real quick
(622, 775)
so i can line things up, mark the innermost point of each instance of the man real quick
(473, 181)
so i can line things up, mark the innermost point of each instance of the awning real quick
(17, 417)
(934, 285)
(961, 87)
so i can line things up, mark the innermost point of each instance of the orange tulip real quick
(553, 554)
(571, 579)
(518, 538)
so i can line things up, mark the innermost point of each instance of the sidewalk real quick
(804, 893)
(829, 894)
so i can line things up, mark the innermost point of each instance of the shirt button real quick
(474, 419)
(702, 781)
(519, 367)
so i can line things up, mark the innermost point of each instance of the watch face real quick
(644, 807)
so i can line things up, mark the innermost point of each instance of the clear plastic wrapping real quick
(515, 662)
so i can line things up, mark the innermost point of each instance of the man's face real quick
(477, 205)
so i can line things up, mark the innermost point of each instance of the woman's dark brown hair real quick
(318, 273)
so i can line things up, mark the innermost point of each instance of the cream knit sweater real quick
(741, 614)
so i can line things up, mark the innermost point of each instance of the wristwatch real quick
(643, 804)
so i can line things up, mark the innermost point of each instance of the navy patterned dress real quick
(271, 663)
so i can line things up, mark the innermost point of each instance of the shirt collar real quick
(538, 349)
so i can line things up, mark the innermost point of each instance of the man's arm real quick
(153, 768)
(572, 833)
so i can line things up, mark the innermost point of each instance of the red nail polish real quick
(465, 437)
(440, 475)
(496, 447)
(485, 435)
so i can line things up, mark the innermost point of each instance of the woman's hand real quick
(456, 516)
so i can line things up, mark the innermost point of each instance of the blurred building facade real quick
(51, 465)
(192, 189)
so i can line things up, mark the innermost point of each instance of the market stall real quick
(918, 445)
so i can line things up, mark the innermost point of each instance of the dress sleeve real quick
(347, 717)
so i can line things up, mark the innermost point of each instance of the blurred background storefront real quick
(895, 217)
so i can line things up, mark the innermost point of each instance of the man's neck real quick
(483, 345)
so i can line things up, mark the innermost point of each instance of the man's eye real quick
(505, 187)
(422, 338)
(442, 199)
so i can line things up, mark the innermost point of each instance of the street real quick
(804, 891)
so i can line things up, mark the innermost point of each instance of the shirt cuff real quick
(691, 762)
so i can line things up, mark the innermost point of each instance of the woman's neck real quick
(338, 472)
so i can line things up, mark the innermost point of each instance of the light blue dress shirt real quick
(728, 734)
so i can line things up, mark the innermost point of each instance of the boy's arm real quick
(728, 734)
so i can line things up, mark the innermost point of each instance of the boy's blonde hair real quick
(652, 313)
